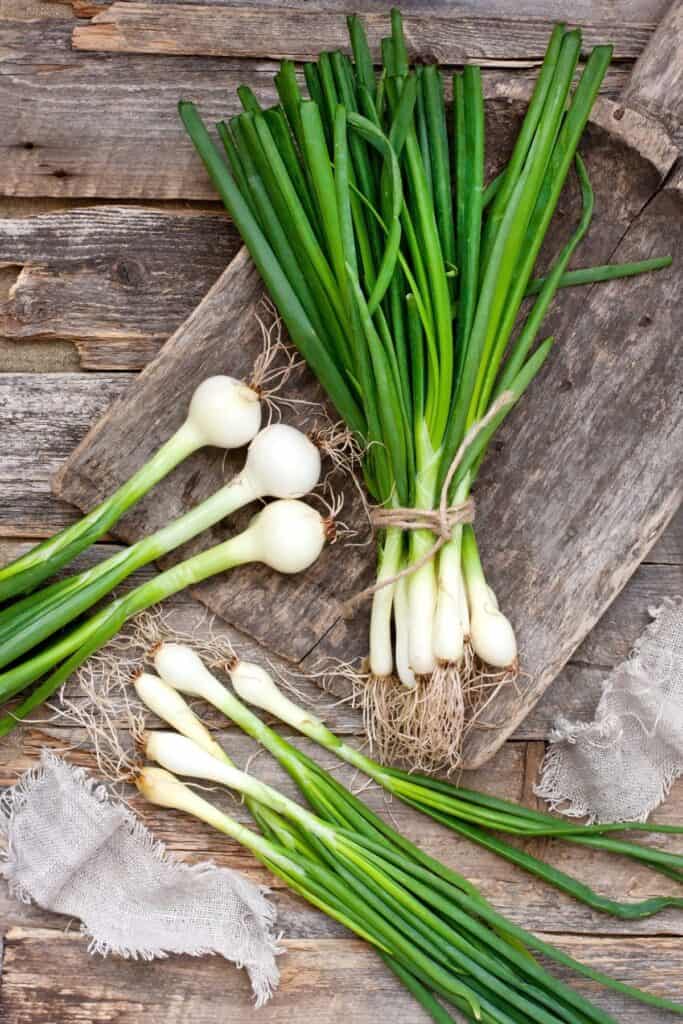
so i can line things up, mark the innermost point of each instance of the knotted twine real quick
(74, 850)
(621, 765)
(441, 521)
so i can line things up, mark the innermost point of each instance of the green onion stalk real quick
(474, 815)
(287, 535)
(425, 917)
(223, 413)
(282, 462)
(405, 305)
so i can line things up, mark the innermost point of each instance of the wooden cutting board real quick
(579, 483)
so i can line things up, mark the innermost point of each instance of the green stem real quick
(45, 559)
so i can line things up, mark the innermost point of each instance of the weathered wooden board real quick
(599, 501)
(42, 418)
(77, 124)
(644, 12)
(451, 37)
(114, 280)
(575, 493)
(329, 977)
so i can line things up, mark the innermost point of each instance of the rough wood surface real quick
(604, 492)
(453, 37)
(107, 126)
(114, 280)
(656, 85)
(42, 418)
(329, 977)
(65, 103)
(572, 527)
(644, 12)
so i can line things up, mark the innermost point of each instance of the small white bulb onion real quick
(183, 756)
(167, 704)
(402, 624)
(183, 670)
(287, 535)
(224, 412)
(491, 633)
(253, 684)
(281, 463)
(163, 789)
(451, 620)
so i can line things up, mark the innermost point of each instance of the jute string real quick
(441, 520)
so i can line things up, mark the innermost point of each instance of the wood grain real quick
(114, 280)
(108, 127)
(42, 418)
(454, 37)
(328, 977)
(656, 85)
(597, 11)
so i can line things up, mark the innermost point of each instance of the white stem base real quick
(381, 652)
(451, 620)
(402, 625)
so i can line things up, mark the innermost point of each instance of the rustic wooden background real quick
(108, 239)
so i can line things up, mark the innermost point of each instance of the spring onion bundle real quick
(404, 302)
(286, 535)
(435, 929)
(223, 413)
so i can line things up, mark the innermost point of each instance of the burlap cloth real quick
(623, 764)
(74, 849)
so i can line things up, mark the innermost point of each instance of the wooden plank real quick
(48, 976)
(114, 280)
(510, 773)
(597, 11)
(42, 418)
(328, 977)
(62, 141)
(454, 37)
(656, 85)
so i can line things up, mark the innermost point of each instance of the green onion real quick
(428, 918)
(286, 535)
(223, 412)
(401, 278)
(281, 463)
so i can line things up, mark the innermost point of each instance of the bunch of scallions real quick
(443, 940)
(45, 635)
(399, 274)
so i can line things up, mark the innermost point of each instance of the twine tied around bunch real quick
(440, 520)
